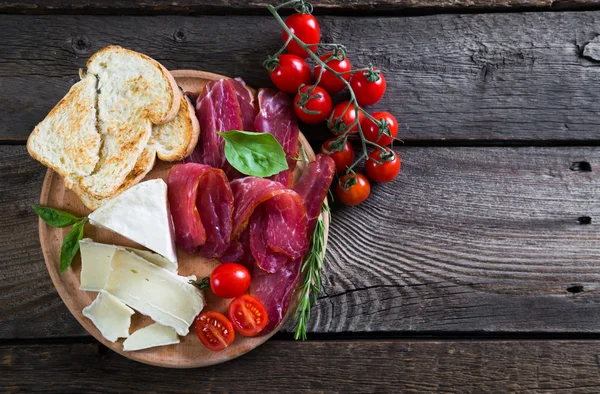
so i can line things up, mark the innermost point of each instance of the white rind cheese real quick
(151, 336)
(153, 291)
(141, 214)
(155, 258)
(110, 316)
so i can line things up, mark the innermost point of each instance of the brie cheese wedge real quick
(151, 336)
(110, 316)
(141, 214)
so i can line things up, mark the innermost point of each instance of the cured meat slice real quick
(276, 116)
(202, 208)
(266, 258)
(246, 101)
(313, 186)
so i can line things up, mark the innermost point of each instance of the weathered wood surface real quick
(465, 240)
(452, 77)
(329, 366)
(352, 7)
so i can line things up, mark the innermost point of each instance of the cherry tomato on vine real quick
(214, 330)
(387, 170)
(368, 86)
(356, 191)
(343, 158)
(229, 280)
(329, 81)
(248, 315)
(306, 28)
(372, 131)
(343, 117)
(291, 72)
(317, 101)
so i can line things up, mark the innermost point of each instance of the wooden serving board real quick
(190, 352)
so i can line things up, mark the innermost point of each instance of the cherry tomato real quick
(372, 132)
(368, 87)
(330, 82)
(342, 118)
(306, 28)
(342, 158)
(387, 170)
(229, 280)
(318, 101)
(357, 192)
(291, 72)
(214, 330)
(248, 315)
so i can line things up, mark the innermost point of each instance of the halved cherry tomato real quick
(356, 191)
(291, 72)
(214, 330)
(343, 117)
(374, 134)
(387, 170)
(306, 28)
(248, 315)
(328, 81)
(229, 280)
(368, 86)
(318, 101)
(343, 158)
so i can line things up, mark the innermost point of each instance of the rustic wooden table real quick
(477, 270)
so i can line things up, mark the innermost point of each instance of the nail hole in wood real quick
(179, 36)
(575, 289)
(80, 45)
(581, 166)
(584, 220)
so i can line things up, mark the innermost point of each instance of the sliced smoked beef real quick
(245, 99)
(276, 116)
(202, 205)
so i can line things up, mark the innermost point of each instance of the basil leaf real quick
(70, 244)
(55, 217)
(256, 154)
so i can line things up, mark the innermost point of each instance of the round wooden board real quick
(190, 353)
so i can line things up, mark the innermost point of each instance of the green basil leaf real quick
(256, 154)
(55, 217)
(70, 245)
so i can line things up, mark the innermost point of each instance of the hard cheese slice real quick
(151, 336)
(96, 258)
(141, 214)
(153, 291)
(110, 316)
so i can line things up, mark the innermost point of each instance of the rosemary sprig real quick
(311, 286)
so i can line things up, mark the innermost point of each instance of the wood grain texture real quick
(530, 367)
(450, 77)
(352, 7)
(465, 240)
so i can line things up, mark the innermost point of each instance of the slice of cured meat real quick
(276, 116)
(266, 258)
(247, 105)
(201, 203)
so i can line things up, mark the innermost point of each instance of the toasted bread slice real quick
(177, 139)
(67, 140)
(135, 91)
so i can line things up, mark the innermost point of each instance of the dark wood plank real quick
(353, 7)
(331, 367)
(465, 240)
(486, 77)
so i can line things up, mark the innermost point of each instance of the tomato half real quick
(318, 101)
(342, 117)
(214, 330)
(358, 189)
(373, 133)
(328, 81)
(229, 280)
(291, 72)
(306, 28)
(341, 155)
(388, 167)
(248, 315)
(368, 86)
